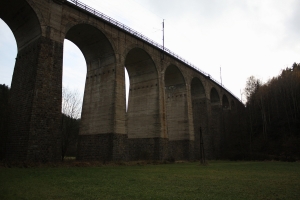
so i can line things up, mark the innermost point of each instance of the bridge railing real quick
(141, 36)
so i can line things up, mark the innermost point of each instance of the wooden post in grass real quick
(202, 159)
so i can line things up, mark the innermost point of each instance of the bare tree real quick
(71, 109)
(71, 103)
(252, 86)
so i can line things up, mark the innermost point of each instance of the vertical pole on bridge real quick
(163, 25)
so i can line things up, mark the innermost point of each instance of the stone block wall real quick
(143, 148)
(181, 150)
(95, 147)
(103, 147)
(35, 103)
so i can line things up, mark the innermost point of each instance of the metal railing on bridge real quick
(141, 36)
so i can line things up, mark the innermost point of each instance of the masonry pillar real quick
(35, 103)
(216, 128)
(226, 130)
(163, 141)
(102, 134)
(96, 134)
(120, 139)
(191, 146)
(200, 114)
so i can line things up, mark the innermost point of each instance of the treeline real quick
(70, 131)
(4, 93)
(273, 116)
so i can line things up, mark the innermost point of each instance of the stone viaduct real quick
(169, 100)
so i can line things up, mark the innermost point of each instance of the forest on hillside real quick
(4, 93)
(273, 115)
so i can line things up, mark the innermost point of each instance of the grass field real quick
(217, 180)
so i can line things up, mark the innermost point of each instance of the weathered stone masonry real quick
(168, 100)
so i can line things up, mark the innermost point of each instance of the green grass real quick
(218, 180)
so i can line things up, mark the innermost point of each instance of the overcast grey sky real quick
(243, 37)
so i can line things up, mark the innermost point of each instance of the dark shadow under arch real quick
(174, 77)
(232, 104)
(214, 96)
(197, 89)
(94, 45)
(225, 102)
(22, 20)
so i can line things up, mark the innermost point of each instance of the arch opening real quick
(8, 52)
(225, 102)
(127, 87)
(95, 46)
(174, 78)
(214, 96)
(197, 89)
(19, 26)
(232, 104)
(22, 20)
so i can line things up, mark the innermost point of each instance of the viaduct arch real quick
(169, 100)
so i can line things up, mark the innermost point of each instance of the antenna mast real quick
(221, 76)
(163, 26)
